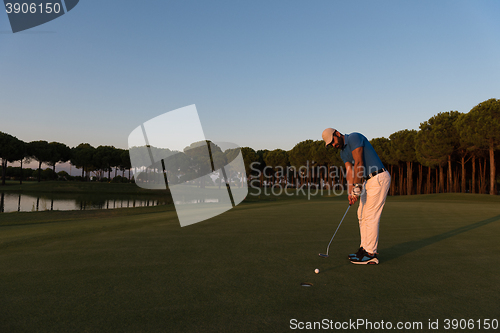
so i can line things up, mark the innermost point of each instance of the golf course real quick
(137, 270)
(199, 166)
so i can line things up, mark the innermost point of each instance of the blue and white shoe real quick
(365, 259)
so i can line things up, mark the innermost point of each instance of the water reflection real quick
(15, 202)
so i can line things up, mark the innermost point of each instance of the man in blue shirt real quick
(367, 181)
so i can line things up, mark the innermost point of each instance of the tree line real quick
(451, 152)
(84, 156)
(191, 165)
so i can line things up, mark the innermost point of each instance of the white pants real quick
(371, 203)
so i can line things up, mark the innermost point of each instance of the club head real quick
(323, 255)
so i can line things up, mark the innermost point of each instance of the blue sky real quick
(263, 74)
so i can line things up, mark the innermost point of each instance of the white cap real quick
(328, 135)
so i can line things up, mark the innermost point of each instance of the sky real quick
(262, 74)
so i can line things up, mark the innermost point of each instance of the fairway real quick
(137, 270)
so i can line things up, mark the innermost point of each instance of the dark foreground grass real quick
(137, 270)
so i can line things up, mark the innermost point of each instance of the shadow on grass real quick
(402, 249)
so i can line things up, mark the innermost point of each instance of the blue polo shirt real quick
(371, 161)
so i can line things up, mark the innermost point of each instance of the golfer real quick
(367, 181)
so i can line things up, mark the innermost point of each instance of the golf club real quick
(328, 247)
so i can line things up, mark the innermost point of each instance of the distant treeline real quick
(100, 160)
(451, 152)
(18, 173)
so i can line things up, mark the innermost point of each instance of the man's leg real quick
(370, 209)
(362, 225)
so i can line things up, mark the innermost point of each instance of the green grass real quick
(137, 270)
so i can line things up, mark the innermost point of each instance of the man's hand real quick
(356, 193)
(352, 199)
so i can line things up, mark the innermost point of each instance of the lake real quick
(20, 202)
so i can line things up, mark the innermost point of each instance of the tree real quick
(178, 166)
(275, 159)
(11, 149)
(262, 165)
(63, 175)
(403, 145)
(125, 163)
(481, 127)
(200, 161)
(465, 150)
(386, 154)
(249, 157)
(220, 161)
(300, 156)
(335, 167)
(82, 157)
(103, 159)
(23, 155)
(151, 165)
(234, 168)
(320, 163)
(41, 152)
(436, 141)
(116, 159)
(60, 153)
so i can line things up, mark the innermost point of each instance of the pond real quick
(21, 202)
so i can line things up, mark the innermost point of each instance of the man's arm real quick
(354, 174)
(357, 154)
(349, 177)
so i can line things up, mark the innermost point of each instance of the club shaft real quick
(328, 247)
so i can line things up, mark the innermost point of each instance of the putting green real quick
(137, 270)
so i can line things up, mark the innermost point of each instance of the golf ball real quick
(316, 271)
